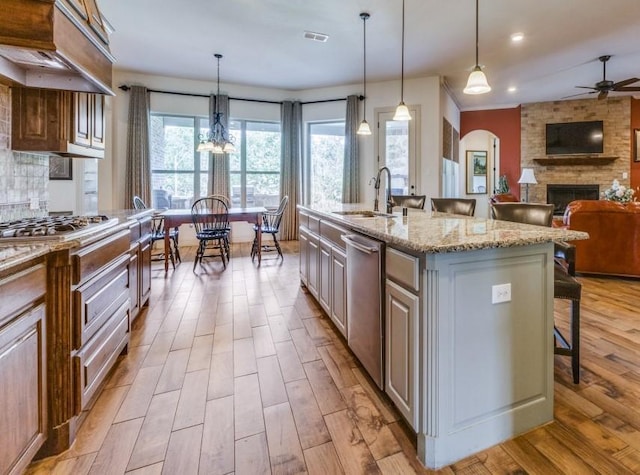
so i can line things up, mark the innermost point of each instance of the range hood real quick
(55, 44)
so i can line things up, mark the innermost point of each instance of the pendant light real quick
(216, 140)
(402, 111)
(364, 128)
(477, 82)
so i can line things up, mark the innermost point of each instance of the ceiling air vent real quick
(321, 37)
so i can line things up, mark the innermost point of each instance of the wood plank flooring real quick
(239, 371)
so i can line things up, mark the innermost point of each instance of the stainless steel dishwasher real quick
(364, 302)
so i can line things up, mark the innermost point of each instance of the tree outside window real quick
(326, 156)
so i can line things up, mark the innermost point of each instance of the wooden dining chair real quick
(210, 218)
(157, 234)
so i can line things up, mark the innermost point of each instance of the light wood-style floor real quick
(239, 371)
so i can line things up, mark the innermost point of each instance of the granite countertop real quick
(13, 253)
(17, 253)
(432, 232)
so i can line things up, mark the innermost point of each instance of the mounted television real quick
(574, 137)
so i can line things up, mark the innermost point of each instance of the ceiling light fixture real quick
(477, 82)
(517, 37)
(364, 128)
(216, 140)
(512, 89)
(402, 111)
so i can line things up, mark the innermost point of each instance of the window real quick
(179, 174)
(326, 156)
(255, 167)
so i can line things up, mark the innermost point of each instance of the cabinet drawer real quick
(93, 362)
(145, 226)
(97, 300)
(403, 268)
(332, 233)
(134, 229)
(314, 224)
(91, 258)
(21, 289)
(303, 219)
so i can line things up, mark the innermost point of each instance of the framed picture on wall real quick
(60, 168)
(636, 145)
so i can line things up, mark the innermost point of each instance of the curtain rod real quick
(125, 88)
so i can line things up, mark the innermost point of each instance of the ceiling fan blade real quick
(587, 87)
(626, 82)
(603, 95)
(627, 89)
(580, 94)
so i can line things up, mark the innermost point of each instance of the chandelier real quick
(216, 140)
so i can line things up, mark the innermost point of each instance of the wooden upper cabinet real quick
(60, 122)
(82, 122)
(97, 121)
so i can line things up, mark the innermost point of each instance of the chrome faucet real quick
(377, 188)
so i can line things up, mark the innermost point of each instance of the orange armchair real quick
(614, 236)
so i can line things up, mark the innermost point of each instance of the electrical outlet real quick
(625, 175)
(501, 293)
(34, 203)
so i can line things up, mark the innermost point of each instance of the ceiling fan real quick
(604, 87)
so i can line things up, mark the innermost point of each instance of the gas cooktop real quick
(53, 228)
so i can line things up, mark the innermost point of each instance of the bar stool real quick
(565, 286)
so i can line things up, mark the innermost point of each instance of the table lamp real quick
(527, 178)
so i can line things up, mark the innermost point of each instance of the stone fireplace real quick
(597, 170)
(561, 195)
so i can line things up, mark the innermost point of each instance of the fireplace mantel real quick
(575, 160)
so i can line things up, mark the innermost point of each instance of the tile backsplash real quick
(24, 177)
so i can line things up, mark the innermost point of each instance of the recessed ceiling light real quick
(517, 37)
(512, 89)
(312, 35)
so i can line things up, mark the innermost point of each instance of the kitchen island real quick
(466, 320)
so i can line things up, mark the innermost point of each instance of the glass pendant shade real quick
(364, 128)
(402, 112)
(477, 82)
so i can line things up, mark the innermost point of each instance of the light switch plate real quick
(501, 293)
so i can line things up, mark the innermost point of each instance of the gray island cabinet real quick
(467, 319)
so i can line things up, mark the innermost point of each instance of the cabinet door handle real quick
(360, 247)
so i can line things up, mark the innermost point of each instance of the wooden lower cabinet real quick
(304, 256)
(401, 350)
(144, 270)
(23, 395)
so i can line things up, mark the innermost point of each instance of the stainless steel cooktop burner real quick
(50, 227)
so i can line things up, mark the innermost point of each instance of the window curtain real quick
(218, 183)
(351, 164)
(290, 166)
(138, 176)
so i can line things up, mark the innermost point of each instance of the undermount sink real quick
(363, 214)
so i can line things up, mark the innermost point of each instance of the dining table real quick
(176, 217)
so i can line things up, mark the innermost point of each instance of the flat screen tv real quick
(574, 137)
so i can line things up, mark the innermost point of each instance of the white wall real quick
(478, 140)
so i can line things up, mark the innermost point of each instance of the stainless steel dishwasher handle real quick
(360, 247)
